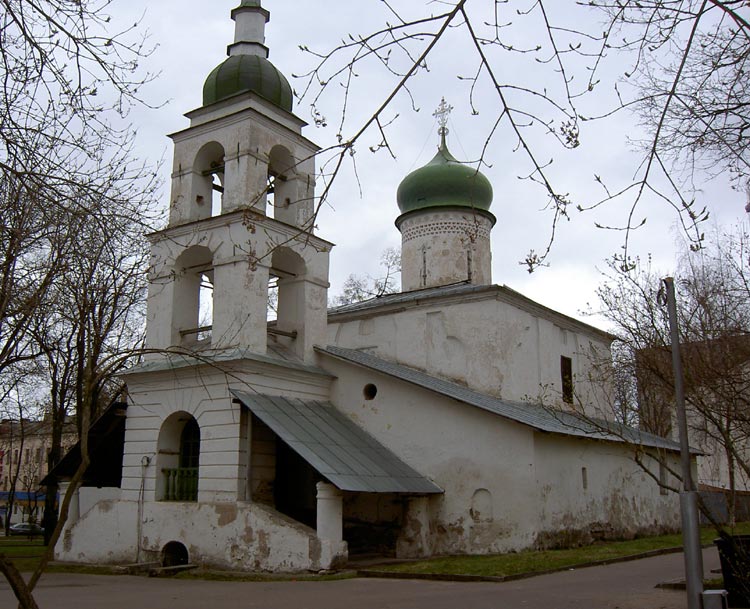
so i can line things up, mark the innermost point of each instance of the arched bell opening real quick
(193, 298)
(208, 180)
(282, 195)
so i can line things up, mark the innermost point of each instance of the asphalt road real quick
(627, 585)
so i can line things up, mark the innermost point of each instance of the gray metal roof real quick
(338, 449)
(533, 415)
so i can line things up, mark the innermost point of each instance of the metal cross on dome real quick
(442, 114)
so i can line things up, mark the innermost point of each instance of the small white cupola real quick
(250, 20)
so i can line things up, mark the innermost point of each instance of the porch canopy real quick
(335, 447)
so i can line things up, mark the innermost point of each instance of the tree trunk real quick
(17, 584)
(49, 519)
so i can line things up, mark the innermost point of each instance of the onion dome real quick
(444, 182)
(248, 73)
(247, 69)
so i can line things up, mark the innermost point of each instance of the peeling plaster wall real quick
(507, 487)
(221, 529)
(239, 536)
(459, 447)
(613, 498)
(486, 343)
(217, 530)
(442, 246)
(104, 533)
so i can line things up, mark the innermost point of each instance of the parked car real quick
(26, 528)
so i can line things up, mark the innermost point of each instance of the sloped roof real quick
(106, 442)
(403, 297)
(532, 415)
(462, 291)
(335, 446)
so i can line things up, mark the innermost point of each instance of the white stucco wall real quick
(444, 246)
(239, 250)
(243, 130)
(492, 341)
(221, 529)
(459, 447)
(506, 485)
(614, 498)
(203, 392)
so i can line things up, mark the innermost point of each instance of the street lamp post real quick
(689, 496)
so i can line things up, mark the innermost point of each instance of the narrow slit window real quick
(566, 376)
(205, 306)
(217, 193)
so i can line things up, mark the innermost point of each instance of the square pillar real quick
(414, 540)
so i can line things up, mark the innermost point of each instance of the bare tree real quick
(358, 288)
(684, 61)
(72, 199)
(714, 320)
(93, 327)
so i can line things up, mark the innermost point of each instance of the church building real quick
(444, 419)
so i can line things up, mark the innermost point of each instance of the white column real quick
(73, 509)
(330, 513)
(333, 548)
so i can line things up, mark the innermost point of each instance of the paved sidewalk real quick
(628, 585)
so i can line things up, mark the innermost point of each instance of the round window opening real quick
(370, 391)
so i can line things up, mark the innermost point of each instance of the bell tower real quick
(241, 215)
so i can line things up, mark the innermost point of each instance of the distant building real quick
(23, 465)
(410, 424)
(717, 390)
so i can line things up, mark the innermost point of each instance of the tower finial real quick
(249, 30)
(442, 114)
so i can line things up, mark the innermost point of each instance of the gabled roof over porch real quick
(335, 446)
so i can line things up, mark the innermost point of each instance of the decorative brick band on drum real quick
(478, 228)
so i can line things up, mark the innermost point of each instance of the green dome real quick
(444, 182)
(242, 73)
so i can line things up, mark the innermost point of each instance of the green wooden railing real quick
(181, 484)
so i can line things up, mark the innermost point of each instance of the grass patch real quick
(23, 552)
(504, 565)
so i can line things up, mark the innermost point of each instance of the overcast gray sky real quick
(191, 38)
